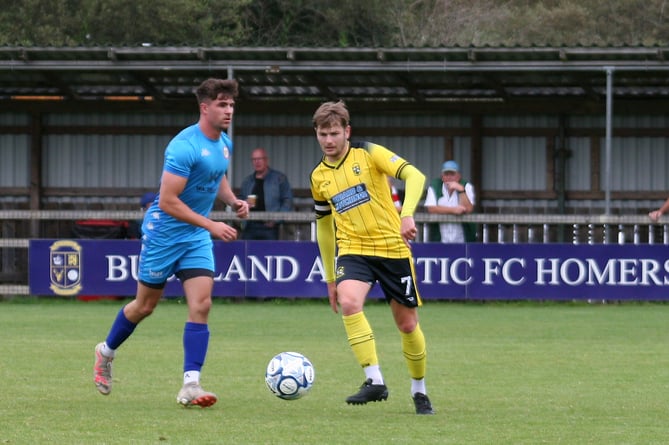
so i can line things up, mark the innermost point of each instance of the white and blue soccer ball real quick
(289, 375)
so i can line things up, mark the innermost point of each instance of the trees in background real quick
(121, 22)
(328, 23)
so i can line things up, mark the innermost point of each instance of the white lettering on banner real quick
(467, 264)
(597, 275)
(123, 267)
(280, 265)
(134, 267)
(457, 271)
(573, 280)
(506, 271)
(490, 268)
(615, 272)
(628, 272)
(120, 267)
(496, 267)
(466, 277)
(542, 271)
(281, 268)
(257, 266)
(316, 271)
(650, 272)
(236, 267)
(426, 263)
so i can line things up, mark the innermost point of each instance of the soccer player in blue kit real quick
(177, 237)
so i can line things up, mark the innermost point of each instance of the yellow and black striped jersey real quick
(356, 193)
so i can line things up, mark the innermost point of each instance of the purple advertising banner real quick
(444, 271)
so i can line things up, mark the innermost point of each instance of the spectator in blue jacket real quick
(266, 190)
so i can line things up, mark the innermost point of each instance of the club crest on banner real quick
(65, 267)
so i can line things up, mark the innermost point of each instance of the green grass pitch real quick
(498, 373)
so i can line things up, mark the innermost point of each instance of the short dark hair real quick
(211, 88)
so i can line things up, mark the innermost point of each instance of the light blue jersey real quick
(192, 155)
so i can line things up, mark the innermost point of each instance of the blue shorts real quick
(157, 262)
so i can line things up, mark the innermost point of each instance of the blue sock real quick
(196, 342)
(121, 329)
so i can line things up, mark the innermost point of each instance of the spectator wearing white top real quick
(451, 195)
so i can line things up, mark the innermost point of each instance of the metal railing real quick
(501, 228)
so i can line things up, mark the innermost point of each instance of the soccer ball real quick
(289, 375)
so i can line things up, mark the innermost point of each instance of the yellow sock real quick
(361, 339)
(413, 347)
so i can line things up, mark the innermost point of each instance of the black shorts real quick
(396, 276)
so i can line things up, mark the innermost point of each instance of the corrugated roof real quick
(365, 74)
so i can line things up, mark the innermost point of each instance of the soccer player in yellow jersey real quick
(355, 216)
